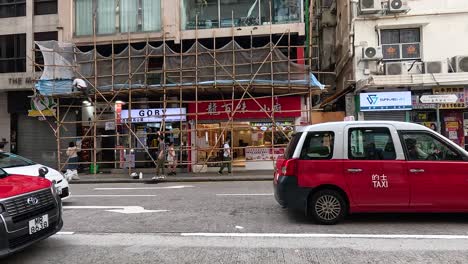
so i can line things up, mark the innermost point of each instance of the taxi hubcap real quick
(328, 207)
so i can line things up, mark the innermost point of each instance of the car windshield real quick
(8, 160)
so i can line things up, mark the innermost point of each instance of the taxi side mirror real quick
(43, 172)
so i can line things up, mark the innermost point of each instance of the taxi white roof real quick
(334, 126)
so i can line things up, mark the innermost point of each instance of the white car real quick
(14, 164)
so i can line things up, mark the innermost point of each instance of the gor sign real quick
(154, 115)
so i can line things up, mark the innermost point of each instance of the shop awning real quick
(332, 99)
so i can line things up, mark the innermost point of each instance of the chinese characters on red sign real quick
(247, 108)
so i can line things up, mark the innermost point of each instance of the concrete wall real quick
(25, 25)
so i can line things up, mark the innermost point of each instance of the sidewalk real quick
(263, 175)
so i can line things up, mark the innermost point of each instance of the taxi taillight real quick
(289, 167)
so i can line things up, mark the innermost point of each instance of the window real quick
(422, 146)
(318, 146)
(238, 13)
(45, 7)
(8, 160)
(371, 144)
(113, 16)
(42, 36)
(12, 8)
(13, 53)
(289, 152)
(401, 44)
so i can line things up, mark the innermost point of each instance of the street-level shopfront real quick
(388, 106)
(255, 141)
(146, 123)
(120, 146)
(406, 106)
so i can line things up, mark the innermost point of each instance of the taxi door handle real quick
(354, 170)
(416, 170)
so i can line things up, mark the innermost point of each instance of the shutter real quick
(385, 116)
(36, 140)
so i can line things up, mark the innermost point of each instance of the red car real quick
(30, 210)
(332, 169)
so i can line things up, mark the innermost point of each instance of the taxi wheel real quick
(327, 207)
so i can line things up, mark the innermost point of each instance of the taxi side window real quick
(371, 144)
(421, 146)
(318, 146)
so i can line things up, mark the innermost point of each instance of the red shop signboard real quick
(248, 108)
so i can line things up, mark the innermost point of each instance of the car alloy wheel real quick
(328, 207)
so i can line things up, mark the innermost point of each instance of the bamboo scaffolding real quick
(196, 93)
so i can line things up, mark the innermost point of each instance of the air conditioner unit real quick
(372, 53)
(403, 68)
(398, 6)
(370, 6)
(435, 67)
(459, 64)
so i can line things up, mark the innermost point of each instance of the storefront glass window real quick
(250, 141)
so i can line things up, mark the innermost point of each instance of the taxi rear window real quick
(288, 154)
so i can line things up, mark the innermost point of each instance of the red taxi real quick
(332, 169)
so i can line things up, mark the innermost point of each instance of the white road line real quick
(281, 235)
(145, 188)
(118, 209)
(113, 195)
(244, 194)
(65, 233)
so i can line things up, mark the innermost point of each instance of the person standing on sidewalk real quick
(161, 158)
(172, 159)
(72, 154)
(226, 158)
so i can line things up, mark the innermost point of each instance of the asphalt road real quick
(234, 222)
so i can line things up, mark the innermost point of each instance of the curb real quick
(197, 179)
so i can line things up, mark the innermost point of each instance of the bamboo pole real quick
(96, 85)
(196, 92)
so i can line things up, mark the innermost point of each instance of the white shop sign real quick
(387, 101)
(155, 115)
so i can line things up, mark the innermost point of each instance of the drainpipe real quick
(307, 27)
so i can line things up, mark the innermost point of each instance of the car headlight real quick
(53, 188)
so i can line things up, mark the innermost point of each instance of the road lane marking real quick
(113, 195)
(283, 235)
(244, 194)
(65, 233)
(145, 188)
(118, 209)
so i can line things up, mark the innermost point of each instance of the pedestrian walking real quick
(172, 159)
(161, 159)
(72, 167)
(226, 158)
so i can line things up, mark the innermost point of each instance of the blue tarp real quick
(54, 87)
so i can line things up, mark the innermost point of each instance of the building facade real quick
(390, 53)
(199, 72)
(21, 23)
